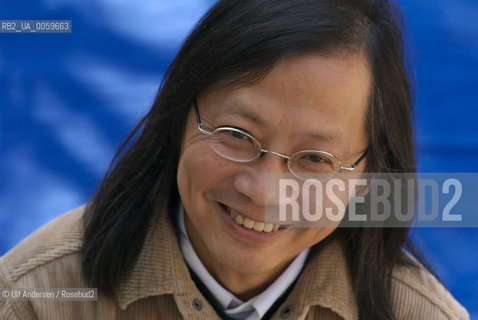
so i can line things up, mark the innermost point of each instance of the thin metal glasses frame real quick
(264, 151)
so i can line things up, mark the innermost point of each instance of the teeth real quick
(258, 226)
(250, 224)
(239, 219)
(268, 227)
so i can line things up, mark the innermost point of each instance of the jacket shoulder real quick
(58, 238)
(417, 294)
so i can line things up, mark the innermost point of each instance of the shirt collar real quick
(223, 296)
(160, 269)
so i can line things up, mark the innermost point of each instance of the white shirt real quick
(254, 308)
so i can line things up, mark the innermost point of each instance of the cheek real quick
(198, 172)
(190, 171)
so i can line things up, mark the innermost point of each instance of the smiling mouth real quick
(251, 224)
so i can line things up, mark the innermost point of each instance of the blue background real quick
(68, 100)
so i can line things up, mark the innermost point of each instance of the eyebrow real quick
(243, 110)
(325, 136)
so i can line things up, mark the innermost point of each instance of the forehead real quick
(328, 94)
(326, 84)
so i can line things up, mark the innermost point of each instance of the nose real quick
(256, 181)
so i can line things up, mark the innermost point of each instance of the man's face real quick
(305, 102)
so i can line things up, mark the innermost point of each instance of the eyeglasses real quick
(239, 146)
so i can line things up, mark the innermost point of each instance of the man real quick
(177, 229)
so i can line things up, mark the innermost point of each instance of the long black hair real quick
(239, 41)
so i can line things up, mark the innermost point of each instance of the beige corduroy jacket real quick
(160, 287)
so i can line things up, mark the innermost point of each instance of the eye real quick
(239, 135)
(234, 137)
(312, 162)
(315, 158)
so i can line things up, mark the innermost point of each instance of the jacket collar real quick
(325, 282)
(153, 272)
(160, 269)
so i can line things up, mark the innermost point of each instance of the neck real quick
(243, 285)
